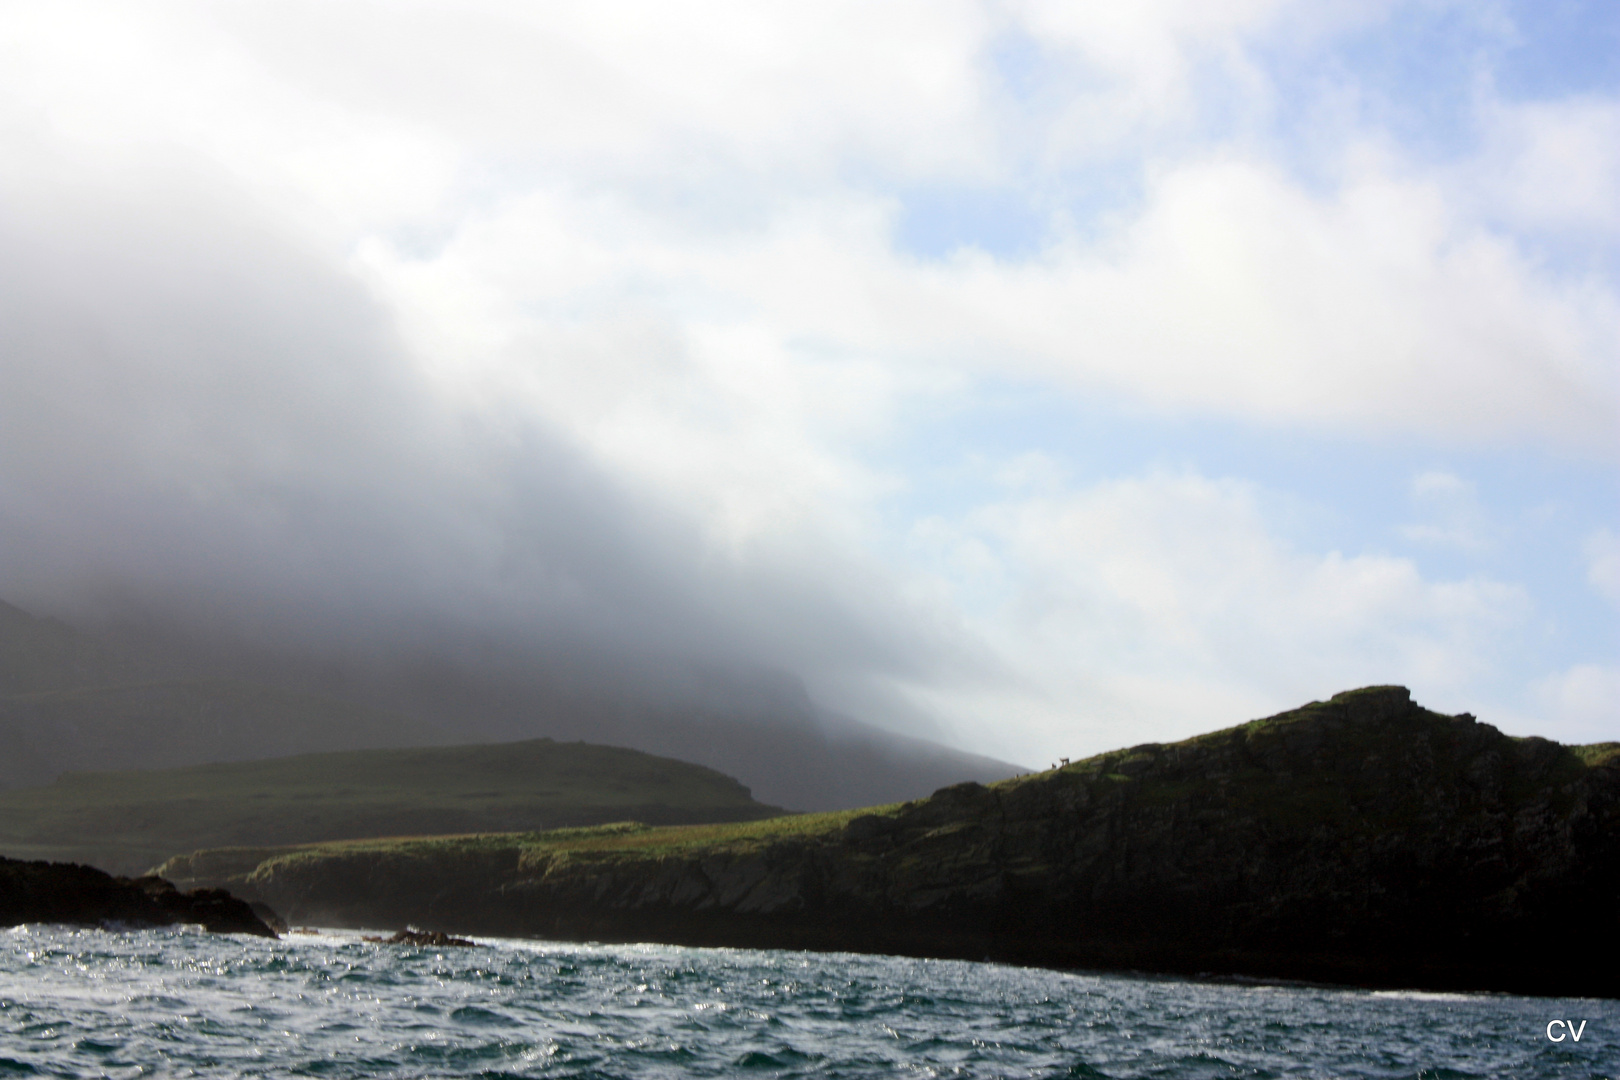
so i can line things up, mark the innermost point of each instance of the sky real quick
(1038, 377)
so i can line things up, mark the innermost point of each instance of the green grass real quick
(129, 821)
(1603, 753)
(623, 840)
(631, 838)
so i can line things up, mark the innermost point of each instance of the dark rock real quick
(43, 892)
(869, 827)
(433, 939)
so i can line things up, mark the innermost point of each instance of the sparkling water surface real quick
(91, 1003)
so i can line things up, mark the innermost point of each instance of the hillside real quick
(127, 821)
(1362, 840)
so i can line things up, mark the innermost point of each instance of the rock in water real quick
(44, 892)
(433, 939)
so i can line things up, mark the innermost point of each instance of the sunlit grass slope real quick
(619, 841)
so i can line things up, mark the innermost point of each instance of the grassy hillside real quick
(627, 842)
(129, 821)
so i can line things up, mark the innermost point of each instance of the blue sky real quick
(1044, 376)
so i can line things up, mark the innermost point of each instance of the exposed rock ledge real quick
(45, 892)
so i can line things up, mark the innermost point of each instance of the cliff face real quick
(1362, 839)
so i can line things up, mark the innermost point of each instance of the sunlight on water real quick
(183, 1003)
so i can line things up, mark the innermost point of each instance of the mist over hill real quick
(165, 695)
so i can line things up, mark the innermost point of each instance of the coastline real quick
(1362, 841)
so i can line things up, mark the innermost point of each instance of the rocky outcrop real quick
(1361, 840)
(429, 939)
(43, 892)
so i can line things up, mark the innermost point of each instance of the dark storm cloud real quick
(208, 427)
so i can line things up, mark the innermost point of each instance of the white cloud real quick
(1553, 165)
(737, 161)
(1162, 605)
(1603, 564)
(665, 233)
(760, 90)
(1135, 70)
(1580, 704)
(1452, 511)
(1236, 292)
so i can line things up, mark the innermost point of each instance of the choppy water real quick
(183, 1003)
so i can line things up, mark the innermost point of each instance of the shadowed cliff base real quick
(1361, 840)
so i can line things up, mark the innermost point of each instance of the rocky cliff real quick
(45, 892)
(1363, 840)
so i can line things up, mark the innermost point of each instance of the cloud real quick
(1160, 605)
(1371, 309)
(1580, 704)
(1370, 312)
(744, 173)
(720, 92)
(204, 421)
(573, 325)
(1553, 165)
(1134, 73)
(1451, 504)
(1603, 564)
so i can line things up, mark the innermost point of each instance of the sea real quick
(183, 1003)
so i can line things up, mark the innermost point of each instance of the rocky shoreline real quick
(75, 895)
